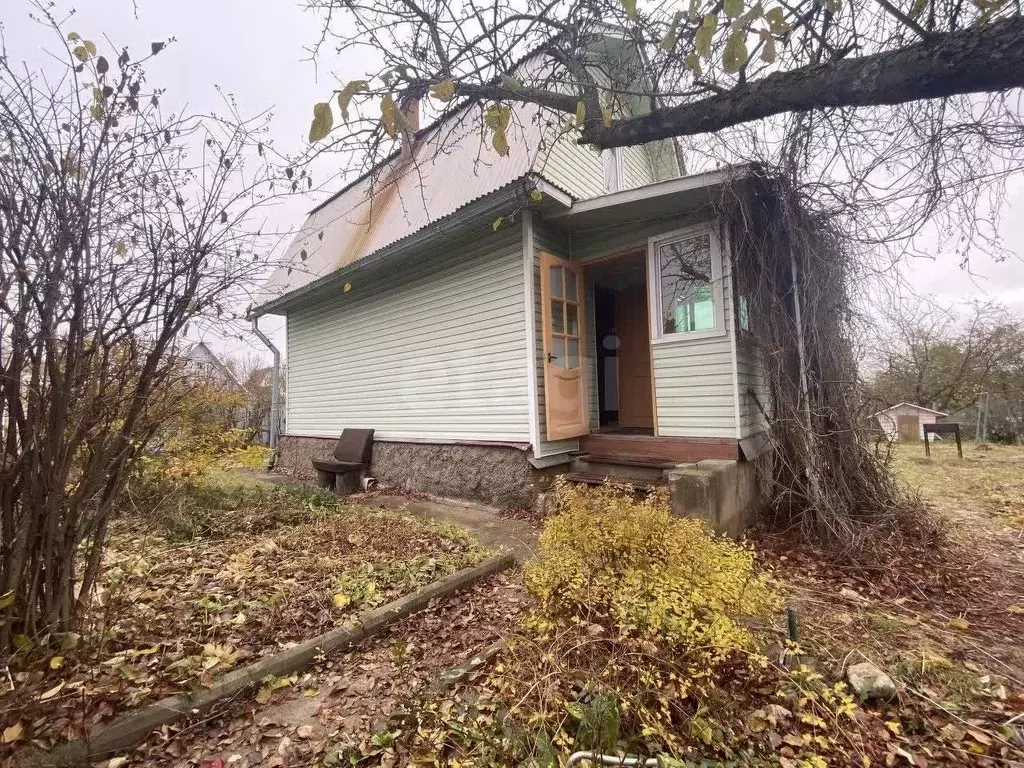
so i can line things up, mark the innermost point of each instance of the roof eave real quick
(483, 210)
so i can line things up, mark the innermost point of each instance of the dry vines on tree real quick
(794, 267)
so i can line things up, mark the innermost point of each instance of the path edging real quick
(133, 728)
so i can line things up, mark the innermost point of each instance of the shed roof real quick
(909, 405)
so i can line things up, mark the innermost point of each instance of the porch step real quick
(621, 466)
(592, 478)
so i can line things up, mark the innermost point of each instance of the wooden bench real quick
(350, 460)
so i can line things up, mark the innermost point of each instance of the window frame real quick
(654, 299)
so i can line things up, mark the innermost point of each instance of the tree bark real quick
(981, 58)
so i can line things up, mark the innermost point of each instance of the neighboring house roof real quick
(200, 354)
(909, 405)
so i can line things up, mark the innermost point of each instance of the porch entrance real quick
(623, 347)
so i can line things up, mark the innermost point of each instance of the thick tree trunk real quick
(987, 57)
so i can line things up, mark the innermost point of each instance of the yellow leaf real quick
(702, 42)
(536, 195)
(668, 42)
(56, 662)
(46, 695)
(1019, 609)
(311, 692)
(959, 623)
(581, 113)
(345, 96)
(341, 600)
(323, 121)
(768, 50)
(347, 288)
(500, 143)
(15, 733)
(497, 223)
(443, 91)
(7, 600)
(389, 115)
(117, 762)
(90, 46)
(606, 117)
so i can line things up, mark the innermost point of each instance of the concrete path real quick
(490, 529)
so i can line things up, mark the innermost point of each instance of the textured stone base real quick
(501, 476)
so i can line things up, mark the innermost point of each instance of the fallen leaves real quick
(183, 601)
(13, 733)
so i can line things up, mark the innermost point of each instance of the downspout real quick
(274, 386)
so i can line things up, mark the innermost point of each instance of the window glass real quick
(572, 323)
(744, 313)
(557, 287)
(570, 287)
(557, 321)
(558, 350)
(687, 298)
(573, 354)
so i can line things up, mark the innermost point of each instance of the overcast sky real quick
(257, 52)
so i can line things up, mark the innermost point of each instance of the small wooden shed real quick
(905, 421)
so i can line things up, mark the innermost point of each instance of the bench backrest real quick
(355, 445)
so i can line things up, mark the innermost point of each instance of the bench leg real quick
(346, 483)
(324, 479)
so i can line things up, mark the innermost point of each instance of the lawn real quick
(230, 571)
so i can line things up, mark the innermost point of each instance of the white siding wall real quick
(751, 378)
(570, 166)
(693, 379)
(432, 350)
(635, 167)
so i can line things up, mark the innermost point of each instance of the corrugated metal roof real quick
(450, 168)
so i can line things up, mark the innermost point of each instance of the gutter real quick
(275, 379)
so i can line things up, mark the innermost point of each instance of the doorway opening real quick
(624, 383)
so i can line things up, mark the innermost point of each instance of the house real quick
(490, 316)
(905, 421)
(201, 361)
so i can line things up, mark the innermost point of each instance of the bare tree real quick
(119, 224)
(941, 358)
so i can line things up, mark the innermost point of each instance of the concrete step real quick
(620, 465)
(590, 478)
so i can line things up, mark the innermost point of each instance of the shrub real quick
(638, 621)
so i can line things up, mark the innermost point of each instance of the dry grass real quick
(985, 488)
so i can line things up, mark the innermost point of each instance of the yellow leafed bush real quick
(633, 567)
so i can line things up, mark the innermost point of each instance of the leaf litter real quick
(181, 602)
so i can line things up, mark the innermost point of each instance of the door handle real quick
(552, 358)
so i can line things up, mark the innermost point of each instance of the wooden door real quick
(565, 380)
(636, 408)
(909, 428)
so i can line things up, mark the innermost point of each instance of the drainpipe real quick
(274, 386)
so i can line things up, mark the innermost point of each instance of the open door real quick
(565, 379)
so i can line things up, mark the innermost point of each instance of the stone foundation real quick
(501, 476)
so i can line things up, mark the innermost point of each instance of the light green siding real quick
(635, 167)
(570, 166)
(433, 350)
(752, 384)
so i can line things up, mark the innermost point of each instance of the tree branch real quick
(977, 59)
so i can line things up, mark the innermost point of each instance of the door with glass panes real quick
(565, 380)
